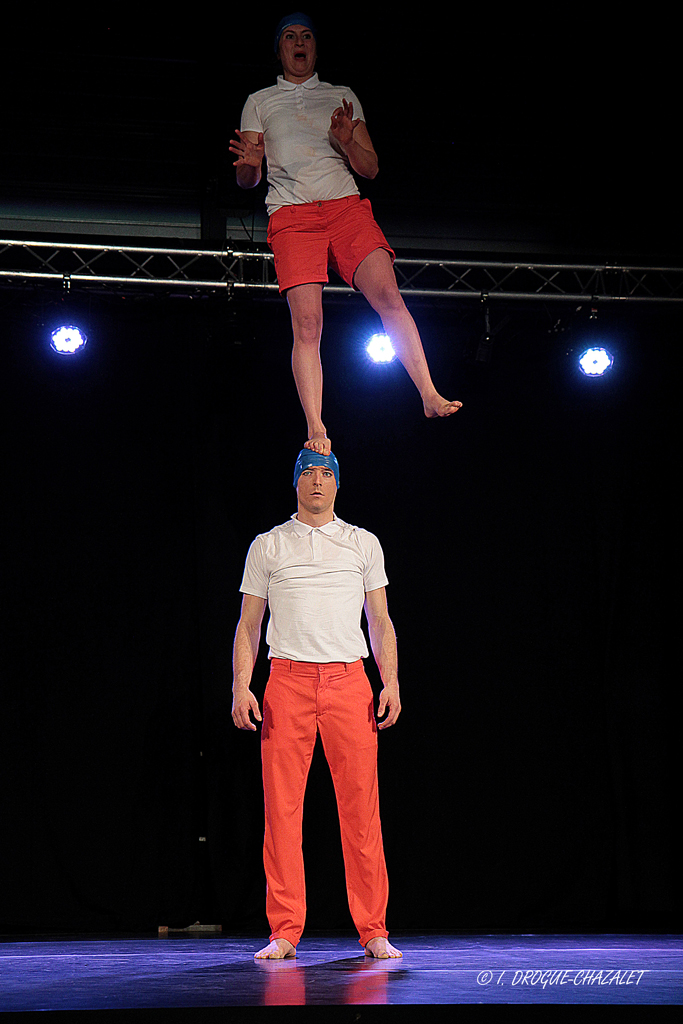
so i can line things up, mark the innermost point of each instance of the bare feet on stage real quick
(319, 442)
(278, 949)
(435, 405)
(382, 949)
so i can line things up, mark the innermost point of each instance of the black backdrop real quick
(530, 780)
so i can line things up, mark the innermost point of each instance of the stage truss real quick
(234, 271)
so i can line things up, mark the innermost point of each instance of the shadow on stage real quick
(149, 976)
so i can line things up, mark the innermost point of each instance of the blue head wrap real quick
(307, 458)
(298, 18)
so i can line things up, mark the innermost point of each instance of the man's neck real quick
(314, 518)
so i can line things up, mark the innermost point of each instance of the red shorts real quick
(307, 238)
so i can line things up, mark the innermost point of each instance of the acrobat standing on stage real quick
(316, 573)
(313, 136)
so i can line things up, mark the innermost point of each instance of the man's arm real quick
(249, 150)
(354, 139)
(245, 649)
(383, 643)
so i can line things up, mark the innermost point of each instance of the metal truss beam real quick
(199, 270)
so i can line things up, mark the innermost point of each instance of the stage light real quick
(380, 349)
(595, 361)
(67, 340)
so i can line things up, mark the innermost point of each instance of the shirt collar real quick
(310, 83)
(329, 528)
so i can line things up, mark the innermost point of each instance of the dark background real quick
(531, 781)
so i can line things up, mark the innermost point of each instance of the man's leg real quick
(349, 734)
(288, 736)
(376, 279)
(306, 308)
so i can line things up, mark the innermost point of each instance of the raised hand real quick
(248, 153)
(342, 125)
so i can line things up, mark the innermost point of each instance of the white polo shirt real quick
(304, 163)
(315, 580)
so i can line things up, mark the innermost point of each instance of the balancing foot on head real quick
(314, 138)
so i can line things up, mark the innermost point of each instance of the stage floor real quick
(150, 973)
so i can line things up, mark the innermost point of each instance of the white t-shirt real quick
(304, 163)
(315, 580)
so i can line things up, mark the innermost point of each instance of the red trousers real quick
(300, 699)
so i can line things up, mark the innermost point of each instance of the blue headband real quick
(307, 458)
(293, 19)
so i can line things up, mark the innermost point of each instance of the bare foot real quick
(278, 949)
(382, 949)
(435, 405)
(319, 442)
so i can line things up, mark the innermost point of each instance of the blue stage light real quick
(595, 361)
(68, 340)
(380, 349)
